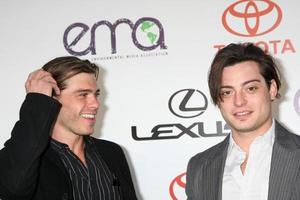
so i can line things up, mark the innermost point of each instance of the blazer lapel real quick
(284, 166)
(283, 173)
(213, 176)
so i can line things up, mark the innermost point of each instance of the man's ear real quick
(273, 89)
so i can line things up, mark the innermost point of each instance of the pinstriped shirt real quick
(92, 182)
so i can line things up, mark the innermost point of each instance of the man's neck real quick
(245, 139)
(75, 143)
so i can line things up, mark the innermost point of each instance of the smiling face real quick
(246, 99)
(77, 116)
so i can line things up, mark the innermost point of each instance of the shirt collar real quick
(59, 146)
(265, 139)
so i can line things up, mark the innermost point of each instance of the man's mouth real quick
(88, 116)
(242, 113)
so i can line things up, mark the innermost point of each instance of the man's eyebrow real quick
(243, 84)
(226, 87)
(250, 81)
(87, 90)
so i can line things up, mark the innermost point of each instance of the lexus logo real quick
(177, 187)
(297, 102)
(249, 18)
(188, 103)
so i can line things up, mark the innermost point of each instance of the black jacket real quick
(31, 170)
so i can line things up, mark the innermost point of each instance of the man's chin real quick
(242, 127)
(84, 133)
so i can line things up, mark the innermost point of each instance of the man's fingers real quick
(53, 83)
(55, 88)
(41, 81)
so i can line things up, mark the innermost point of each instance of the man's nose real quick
(94, 102)
(240, 98)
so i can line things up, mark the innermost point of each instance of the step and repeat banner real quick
(154, 58)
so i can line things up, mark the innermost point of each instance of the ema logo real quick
(177, 187)
(146, 33)
(249, 18)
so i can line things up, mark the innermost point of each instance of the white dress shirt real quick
(254, 183)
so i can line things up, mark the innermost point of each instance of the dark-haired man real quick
(260, 159)
(51, 155)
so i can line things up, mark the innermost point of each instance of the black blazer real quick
(31, 170)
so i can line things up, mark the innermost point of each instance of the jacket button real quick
(65, 196)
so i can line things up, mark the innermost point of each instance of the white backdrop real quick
(160, 58)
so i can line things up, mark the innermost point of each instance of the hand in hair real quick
(40, 81)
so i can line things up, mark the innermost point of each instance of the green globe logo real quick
(146, 28)
(148, 34)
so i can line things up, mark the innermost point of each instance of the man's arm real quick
(20, 157)
(189, 186)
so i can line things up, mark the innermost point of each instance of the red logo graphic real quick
(258, 17)
(177, 184)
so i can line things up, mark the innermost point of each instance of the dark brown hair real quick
(63, 68)
(237, 53)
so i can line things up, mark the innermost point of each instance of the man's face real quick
(246, 104)
(79, 106)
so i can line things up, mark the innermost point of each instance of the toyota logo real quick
(177, 187)
(297, 102)
(249, 18)
(188, 103)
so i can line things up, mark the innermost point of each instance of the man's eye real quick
(226, 93)
(252, 89)
(83, 94)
